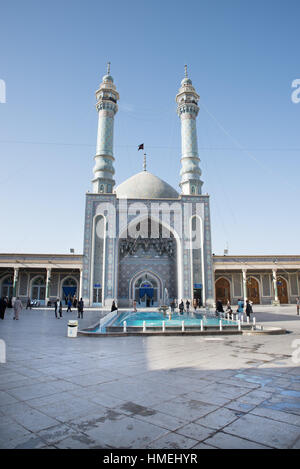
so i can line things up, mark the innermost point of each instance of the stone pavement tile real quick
(210, 397)
(34, 420)
(187, 408)
(296, 444)
(224, 441)
(169, 422)
(67, 410)
(240, 406)
(10, 410)
(49, 399)
(284, 404)
(90, 421)
(57, 433)
(6, 398)
(89, 379)
(172, 441)
(254, 397)
(125, 433)
(203, 446)
(33, 390)
(254, 378)
(239, 382)
(32, 442)
(10, 431)
(196, 431)
(6, 386)
(105, 400)
(264, 431)
(277, 415)
(219, 418)
(79, 441)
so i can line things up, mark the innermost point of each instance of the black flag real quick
(141, 147)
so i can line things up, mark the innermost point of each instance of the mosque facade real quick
(145, 241)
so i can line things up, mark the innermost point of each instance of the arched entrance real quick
(253, 290)
(69, 288)
(282, 290)
(223, 290)
(146, 290)
(7, 286)
(38, 289)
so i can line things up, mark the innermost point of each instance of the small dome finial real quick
(108, 68)
(185, 71)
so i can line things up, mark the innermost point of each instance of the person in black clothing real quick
(3, 305)
(181, 307)
(58, 308)
(80, 308)
(248, 308)
(219, 307)
(113, 306)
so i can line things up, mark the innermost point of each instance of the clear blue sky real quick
(242, 57)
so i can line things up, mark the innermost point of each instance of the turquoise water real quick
(155, 318)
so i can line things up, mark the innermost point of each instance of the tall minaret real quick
(187, 109)
(107, 97)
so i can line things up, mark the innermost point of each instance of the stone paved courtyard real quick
(148, 392)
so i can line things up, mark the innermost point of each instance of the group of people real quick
(240, 308)
(58, 307)
(7, 303)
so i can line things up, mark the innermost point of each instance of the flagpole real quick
(145, 162)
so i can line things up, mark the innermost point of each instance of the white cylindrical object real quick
(248, 319)
(254, 321)
(242, 321)
(72, 328)
(239, 325)
(124, 326)
(144, 326)
(221, 328)
(182, 326)
(164, 326)
(201, 325)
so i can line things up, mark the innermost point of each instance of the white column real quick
(48, 280)
(276, 301)
(80, 284)
(244, 285)
(15, 283)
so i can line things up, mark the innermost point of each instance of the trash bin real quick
(72, 328)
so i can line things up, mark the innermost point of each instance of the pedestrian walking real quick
(172, 304)
(80, 308)
(249, 309)
(298, 305)
(3, 305)
(58, 308)
(17, 307)
(181, 307)
(240, 308)
(28, 304)
(187, 305)
(195, 304)
(134, 306)
(69, 305)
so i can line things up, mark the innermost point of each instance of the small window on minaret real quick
(101, 188)
(193, 190)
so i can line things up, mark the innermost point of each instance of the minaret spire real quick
(107, 98)
(145, 162)
(187, 109)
